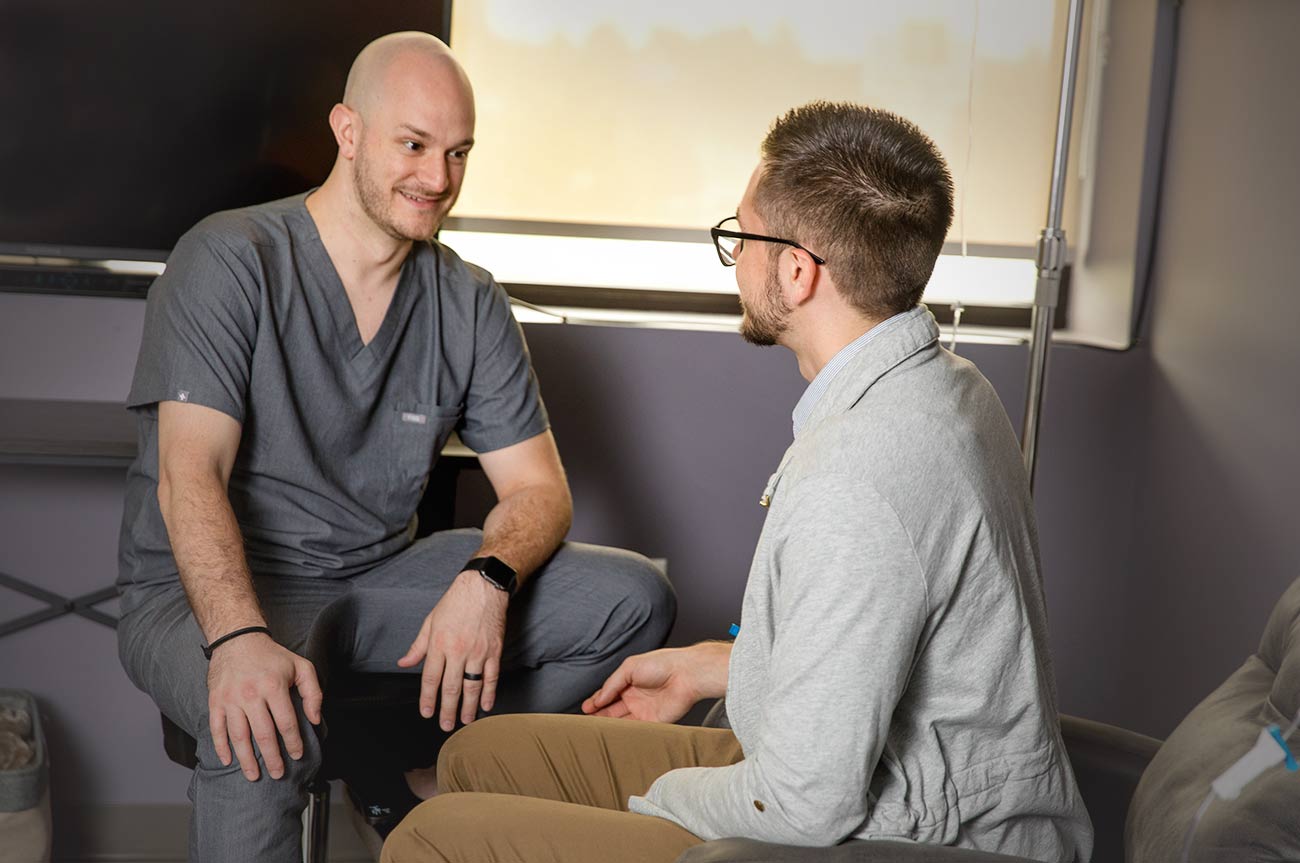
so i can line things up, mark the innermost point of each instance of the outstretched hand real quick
(661, 686)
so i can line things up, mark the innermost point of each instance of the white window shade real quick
(651, 114)
(648, 116)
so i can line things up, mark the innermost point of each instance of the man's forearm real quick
(209, 553)
(525, 528)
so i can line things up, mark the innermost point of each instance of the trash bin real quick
(24, 781)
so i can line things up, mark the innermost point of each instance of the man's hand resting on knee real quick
(662, 685)
(248, 700)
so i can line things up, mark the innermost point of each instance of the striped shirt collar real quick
(822, 382)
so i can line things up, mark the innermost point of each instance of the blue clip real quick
(1290, 759)
(734, 630)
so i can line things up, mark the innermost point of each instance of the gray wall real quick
(668, 437)
(1165, 488)
(1216, 538)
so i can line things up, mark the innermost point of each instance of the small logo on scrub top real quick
(418, 419)
(183, 396)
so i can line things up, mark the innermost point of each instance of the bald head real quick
(385, 62)
(404, 129)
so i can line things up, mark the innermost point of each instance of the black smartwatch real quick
(496, 571)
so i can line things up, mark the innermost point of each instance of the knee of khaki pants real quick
(464, 756)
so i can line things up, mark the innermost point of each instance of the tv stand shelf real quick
(79, 281)
(59, 432)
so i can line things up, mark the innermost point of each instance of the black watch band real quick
(497, 572)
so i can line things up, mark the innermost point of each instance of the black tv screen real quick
(127, 122)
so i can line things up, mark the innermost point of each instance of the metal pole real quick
(1051, 248)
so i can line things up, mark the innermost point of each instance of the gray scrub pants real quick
(569, 627)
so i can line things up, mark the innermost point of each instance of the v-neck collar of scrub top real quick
(362, 357)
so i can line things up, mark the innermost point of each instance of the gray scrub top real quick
(338, 437)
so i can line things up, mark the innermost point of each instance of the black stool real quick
(372, 724)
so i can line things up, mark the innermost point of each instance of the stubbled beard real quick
(376, 202)
(763, 323)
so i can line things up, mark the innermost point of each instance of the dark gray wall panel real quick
(1217, 513)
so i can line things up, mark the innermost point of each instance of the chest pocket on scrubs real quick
(418, 430)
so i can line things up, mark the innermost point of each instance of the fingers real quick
(257, 727)
(479, 693)
(454, 641)
(602, 697)
(309, 691)
(471, 693)
(431, 674)
(250, 707)
(430, 679)
(491, 674)
(241, 740)
(268, 741)
(453, 679)
(418, 649)
(217, 728)
(286, 722)
(617, 710)
(613, 686)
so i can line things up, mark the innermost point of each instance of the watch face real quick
(496, 571)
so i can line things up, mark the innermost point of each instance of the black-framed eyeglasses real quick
(729, 242)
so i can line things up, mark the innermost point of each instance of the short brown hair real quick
(866, 190)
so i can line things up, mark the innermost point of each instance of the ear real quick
(801, 277)
(346, 125)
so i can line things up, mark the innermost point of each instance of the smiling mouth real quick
(419, 200)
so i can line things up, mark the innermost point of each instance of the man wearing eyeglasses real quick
(890, 679)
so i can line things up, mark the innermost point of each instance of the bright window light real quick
(980, 281)
(142, 268)
(660, 265)
(595, 262)
(650, 115)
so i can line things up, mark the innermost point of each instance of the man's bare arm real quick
(196, 453)
(466, 629)
(249, 677)
(534, 508)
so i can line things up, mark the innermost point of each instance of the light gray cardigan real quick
(891, 679)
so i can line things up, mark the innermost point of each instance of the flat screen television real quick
(130, 121)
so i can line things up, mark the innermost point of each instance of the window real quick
(610, 136)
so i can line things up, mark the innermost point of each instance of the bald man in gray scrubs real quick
(303, 363)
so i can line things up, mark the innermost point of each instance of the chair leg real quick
(315, 847)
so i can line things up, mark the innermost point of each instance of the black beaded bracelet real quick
(207, 649)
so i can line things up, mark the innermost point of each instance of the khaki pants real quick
(533, 788)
